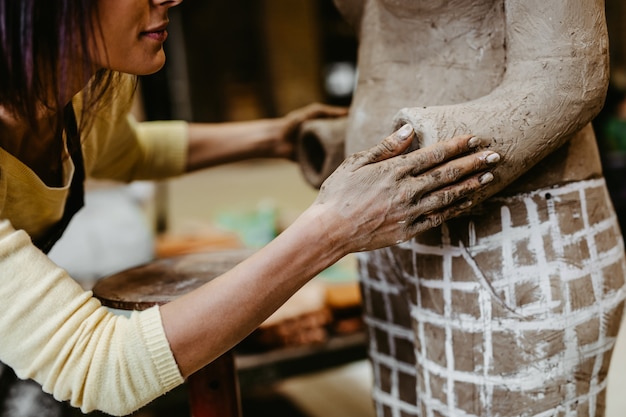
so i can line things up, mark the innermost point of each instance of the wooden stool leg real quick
(214, 389)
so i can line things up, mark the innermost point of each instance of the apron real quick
(25, 398)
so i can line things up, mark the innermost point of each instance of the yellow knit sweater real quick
(50, 329)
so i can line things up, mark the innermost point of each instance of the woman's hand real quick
(292, 122)
(378, 197)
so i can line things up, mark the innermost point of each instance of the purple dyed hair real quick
(43, 43)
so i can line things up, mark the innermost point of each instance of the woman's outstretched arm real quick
(374, 199)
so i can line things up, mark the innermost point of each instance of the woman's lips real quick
(157, 35)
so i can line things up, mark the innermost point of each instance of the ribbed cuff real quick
(159, 349)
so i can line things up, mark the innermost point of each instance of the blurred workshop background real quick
(237, 60)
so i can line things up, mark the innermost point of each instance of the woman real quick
(63, 116)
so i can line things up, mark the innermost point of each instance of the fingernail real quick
(404, 132)
(465, 204)
(486, 178)
(473, 142)
(493, 158)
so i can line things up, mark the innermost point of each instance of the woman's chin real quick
(141, 67)
(147, 70)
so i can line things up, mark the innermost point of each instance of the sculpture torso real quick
(426, 53)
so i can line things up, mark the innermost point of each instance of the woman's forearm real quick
(213, 144)
(205, 323)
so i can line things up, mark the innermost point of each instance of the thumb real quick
(391, 146)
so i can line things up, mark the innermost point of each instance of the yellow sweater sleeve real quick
(59, 335)
(54, 332)
(117, 147)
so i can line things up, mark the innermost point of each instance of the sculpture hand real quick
(379, 198)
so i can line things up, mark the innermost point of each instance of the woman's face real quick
(132, 35)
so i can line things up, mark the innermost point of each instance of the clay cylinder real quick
(320, 148)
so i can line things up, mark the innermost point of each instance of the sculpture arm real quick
(555, 83)
(320, 148)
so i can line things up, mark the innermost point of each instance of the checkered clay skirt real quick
(513, 310)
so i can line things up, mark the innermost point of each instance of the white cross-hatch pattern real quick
(512, 311)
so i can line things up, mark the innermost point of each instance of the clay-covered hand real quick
(378, 197)
(292, 122)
